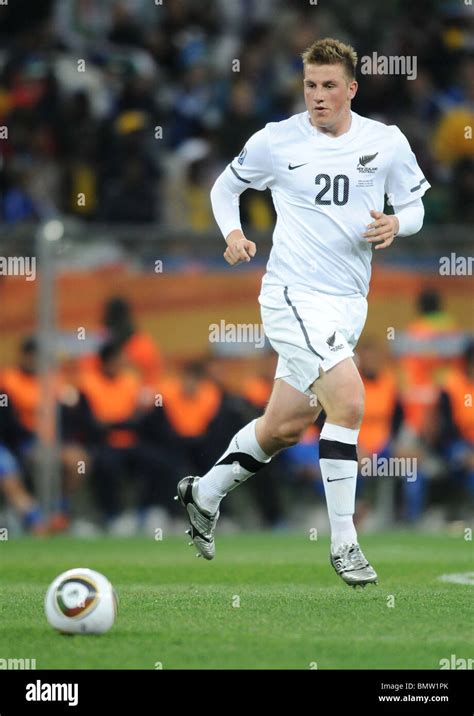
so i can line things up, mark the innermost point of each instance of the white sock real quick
(243, 458)
(338, 461)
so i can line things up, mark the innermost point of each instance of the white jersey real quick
(323, 190)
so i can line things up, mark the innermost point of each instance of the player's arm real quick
(252, 169)
(239, 248)
(406, 221)
(404, 186)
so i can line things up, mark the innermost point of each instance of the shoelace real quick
(352, 556)
(356, 557)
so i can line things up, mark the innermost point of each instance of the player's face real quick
(328, 93)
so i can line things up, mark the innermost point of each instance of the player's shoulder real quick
(284, 127)
(390, 132)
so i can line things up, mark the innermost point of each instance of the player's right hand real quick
(239, 248)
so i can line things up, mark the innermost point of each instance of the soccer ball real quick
(81, 601)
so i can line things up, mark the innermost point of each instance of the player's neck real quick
(336, 130)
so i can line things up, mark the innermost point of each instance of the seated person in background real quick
(190, 402)
(11, 483)
(380, 430)
(21, 384)
(428, 358)
(140, 350)
(385, 435)
(17, 496)
(456, 419)
(114, 396)
(383, 417)
(383, 413)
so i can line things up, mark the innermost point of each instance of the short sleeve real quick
(405, 181)
(253, 168)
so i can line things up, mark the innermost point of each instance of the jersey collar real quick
(331, 141)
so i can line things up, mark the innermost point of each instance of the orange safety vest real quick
(190, 415)
(23, 390)
(380, 400)
(141, 352)
(257, 390)
(113, 400)
(461, 393)
(423, 372)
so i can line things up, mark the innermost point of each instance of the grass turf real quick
(294, 612)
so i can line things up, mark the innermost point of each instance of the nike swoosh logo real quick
(338, 479)
(296, 166)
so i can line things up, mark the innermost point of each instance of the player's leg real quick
(17, 495)
(286, 417)
(341, 393)
(74, 465)
(288, 414)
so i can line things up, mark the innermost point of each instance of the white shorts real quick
(310, 330)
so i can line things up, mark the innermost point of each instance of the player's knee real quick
(348, 413)
(355, 413)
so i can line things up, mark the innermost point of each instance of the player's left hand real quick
(383, 230)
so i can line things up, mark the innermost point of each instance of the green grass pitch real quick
(295, 613)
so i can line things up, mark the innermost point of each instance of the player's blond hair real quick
(330, 52)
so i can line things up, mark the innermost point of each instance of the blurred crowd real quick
(130, 427)
(126, 110)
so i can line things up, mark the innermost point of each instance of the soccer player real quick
(328, 170)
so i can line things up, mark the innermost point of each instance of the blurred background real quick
(116, 116)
